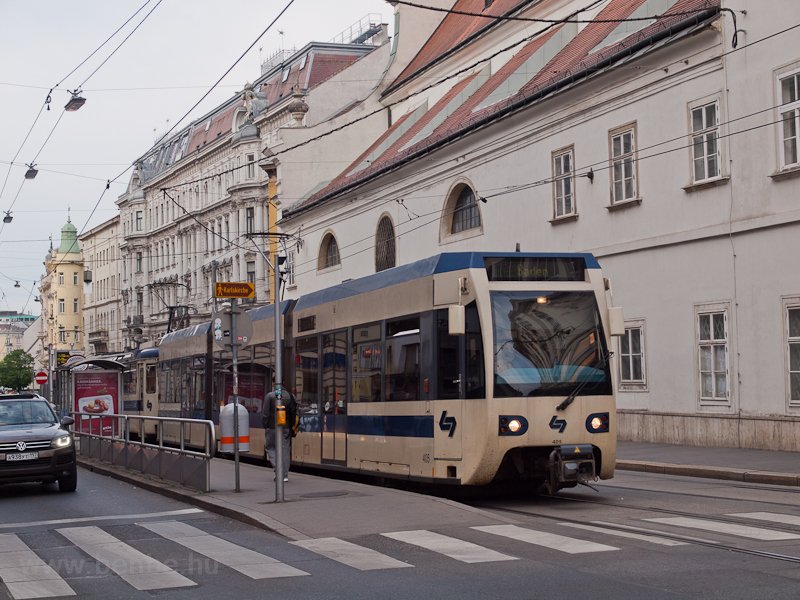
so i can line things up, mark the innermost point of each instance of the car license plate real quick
(23, 456)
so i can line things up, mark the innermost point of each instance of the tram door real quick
(334, 397)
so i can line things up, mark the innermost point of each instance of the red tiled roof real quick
(577, 55)
(394, 149)
(220, 124)
(455, 30)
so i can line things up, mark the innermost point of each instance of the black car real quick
(34, 444)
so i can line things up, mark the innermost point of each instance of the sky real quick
(134, 94)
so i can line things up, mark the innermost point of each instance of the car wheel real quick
(68, 483)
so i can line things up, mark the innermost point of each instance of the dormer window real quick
(285, 75)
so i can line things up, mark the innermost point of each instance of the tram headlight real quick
(512, 425)
(597, 423)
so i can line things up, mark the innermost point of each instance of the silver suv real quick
(34, 444)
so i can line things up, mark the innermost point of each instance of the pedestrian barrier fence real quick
(164, 452)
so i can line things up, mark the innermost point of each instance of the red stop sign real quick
(40, 378)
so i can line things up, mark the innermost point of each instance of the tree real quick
(16, 370)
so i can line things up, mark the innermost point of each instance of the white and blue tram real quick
(461, 368)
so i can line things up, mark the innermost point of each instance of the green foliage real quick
(16, 370)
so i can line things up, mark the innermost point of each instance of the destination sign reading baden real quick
(234, 289)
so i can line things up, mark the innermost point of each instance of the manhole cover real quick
(323, 494)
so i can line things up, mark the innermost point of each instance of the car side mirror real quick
(67, 421)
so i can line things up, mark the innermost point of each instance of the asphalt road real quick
(639, 536)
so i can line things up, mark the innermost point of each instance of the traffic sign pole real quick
(235, 357)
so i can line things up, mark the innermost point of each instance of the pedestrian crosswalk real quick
(26, 574)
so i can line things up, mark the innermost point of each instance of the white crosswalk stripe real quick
(138, 569)
(548, 540)
(454, 548)
(746, 531)
(625, 534)
(25, 574)
(248, 562)
(353, 555)
(771, 517)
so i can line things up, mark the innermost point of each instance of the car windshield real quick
(26, 412)
(548, 343)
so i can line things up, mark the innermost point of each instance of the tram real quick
(462, 368)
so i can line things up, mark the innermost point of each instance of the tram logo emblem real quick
(556, 423)
(447, 423)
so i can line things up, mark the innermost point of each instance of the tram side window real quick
(449, 361)
(448, 364)
(306, 366)
(367, 363)
(402, 359)
(198, 399)
(476, 375)
(334, 372)
(150, 385)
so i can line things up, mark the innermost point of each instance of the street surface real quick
(640, 536)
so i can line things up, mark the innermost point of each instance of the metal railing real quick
(168, 447)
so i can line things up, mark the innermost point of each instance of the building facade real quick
(201, 205)
(102, 319)
(660, 135)
(61, 296)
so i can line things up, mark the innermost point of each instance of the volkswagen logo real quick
(21, 446)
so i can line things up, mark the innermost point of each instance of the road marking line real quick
(771, 517)
(253, 564)
(358, 557)
(548, 540)
(25, 574)
(627, 534)
(138, 569)
(746, 531)
(685, 538)
(454, 548)
(169, 513)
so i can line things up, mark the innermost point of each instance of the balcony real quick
(98, 335)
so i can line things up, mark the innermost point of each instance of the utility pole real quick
(277, 367)
(279, 474)
(209, 372)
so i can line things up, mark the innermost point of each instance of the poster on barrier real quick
(96, 395)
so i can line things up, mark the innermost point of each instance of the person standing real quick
(270, 432)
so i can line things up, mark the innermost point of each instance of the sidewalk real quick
(317, 507)
(736, 464)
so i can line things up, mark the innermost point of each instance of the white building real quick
(198, 208)
(102, 318)
(653, 143)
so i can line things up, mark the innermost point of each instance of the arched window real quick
(465, 211)
(328, 253)
(384, 245)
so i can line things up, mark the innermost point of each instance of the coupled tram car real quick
(461, 368)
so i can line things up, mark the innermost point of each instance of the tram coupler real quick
(570, 465)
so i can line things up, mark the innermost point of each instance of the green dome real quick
(69, 239)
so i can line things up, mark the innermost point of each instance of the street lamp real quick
(8, 218)
(31, 172)
(75, 102)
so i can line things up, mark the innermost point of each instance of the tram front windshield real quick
(548, 343)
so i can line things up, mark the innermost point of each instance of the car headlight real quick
(62, 441)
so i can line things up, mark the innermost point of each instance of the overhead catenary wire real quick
(549, 25)
(108, 183)
(682, 136)
(48, 99)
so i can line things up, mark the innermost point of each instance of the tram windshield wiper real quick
(604, 356)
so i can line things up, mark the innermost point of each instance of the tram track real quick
(654, 532)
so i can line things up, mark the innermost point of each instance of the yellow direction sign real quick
(234, 289)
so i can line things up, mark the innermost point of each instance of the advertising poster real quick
(252, 389)
(96, 393)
